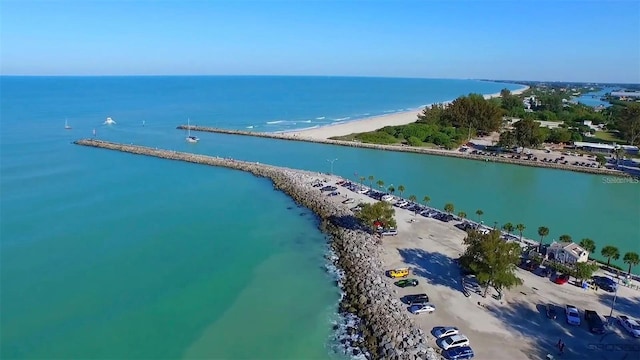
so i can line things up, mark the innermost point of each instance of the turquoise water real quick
(108, 255)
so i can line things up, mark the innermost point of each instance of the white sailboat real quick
(190, 138)
(109, 121)
(66, 125)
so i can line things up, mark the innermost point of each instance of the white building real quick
(569, 253)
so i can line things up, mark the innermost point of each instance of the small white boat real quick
(66, 125)
(190, 138)
(109, 121)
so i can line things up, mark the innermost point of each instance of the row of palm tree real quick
(609, 252)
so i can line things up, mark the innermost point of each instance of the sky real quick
(545, 40)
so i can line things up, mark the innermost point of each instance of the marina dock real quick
(408, 149)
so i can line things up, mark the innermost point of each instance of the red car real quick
(561, 279)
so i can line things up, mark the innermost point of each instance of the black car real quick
(416, 299)
(594, 321)
(552, 313)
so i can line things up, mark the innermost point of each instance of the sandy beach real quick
(515, 327)
(372, 123)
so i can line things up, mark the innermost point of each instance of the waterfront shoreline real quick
(415, 150)
(386, 330)
(374, 123)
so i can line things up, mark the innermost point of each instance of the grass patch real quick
(608, 136)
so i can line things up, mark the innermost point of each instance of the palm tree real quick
(371, 181)
(508, 227)
(380, 184)
(610, 252)
(401, 189)
(391, 189)
(362, 179)
(413, 199)
(588, 245)
(632, 259)
(449, 208)
(565, 238)
(426, 200)
(462, 215)
(542, 231)
(520, 228)
(479, 213)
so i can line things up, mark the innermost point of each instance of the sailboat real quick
(66, 125)
(190, 138)
(109, 121)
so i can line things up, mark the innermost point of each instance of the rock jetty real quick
(386, 329)
(417, 150)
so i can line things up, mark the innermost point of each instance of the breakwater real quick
(386, 330)
(409, 149)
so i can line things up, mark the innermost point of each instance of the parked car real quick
(458, 353)
(388, 232)
(399, 273)
(605, 283)
(594, 321)
(416, 299)
(446, 331)
(454, 341)
(573, 315)
(552, 313)
(561, 279)
(422, 308)
(630, 325)
(406, 282)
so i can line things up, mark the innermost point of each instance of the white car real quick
(573, 315)
(454, 341)
(630, 325)
(446, 331)
(421, 308)
(387, 198)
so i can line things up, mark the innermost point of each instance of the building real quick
(604, 148)
(567, 253)
(623, 95)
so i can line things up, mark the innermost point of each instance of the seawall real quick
(409, 149)
(387, 330)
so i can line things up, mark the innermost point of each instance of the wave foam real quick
(341, 119)
(320, 118)
(250, 127)
(275, 122)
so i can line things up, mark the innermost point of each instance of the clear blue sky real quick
(513, 39)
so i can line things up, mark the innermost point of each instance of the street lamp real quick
(615, 296)
(331, 161)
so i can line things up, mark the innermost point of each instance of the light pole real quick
(615, 296)
(331, 161)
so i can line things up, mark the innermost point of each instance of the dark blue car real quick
(459, 353)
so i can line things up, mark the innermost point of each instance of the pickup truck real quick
(630, 325)
(594, 321)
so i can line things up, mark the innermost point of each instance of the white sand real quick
(514, 328)
(372, 123)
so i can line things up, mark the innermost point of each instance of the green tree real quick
(492, 260)
(584, 270)
(520, 228)
(543, 231)
(610, 252)
(628, 122)
(565, 238)
(508, 227)
(601, 159)
(426, 200)
(380, 184)
(588, 245)
(391, 189)
(413, 199)
(449, 208)
(462, 215)
(632, 259)
(401, 189)
(507, 139)
(479, 213)
(414, 141)
(362, 179)
(371, 178)
(527, 133)
(381, 211)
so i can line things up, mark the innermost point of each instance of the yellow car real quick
(399, 273)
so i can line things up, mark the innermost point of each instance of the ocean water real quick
(108, 255)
